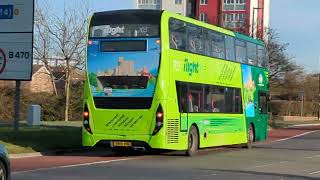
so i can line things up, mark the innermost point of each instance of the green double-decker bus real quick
(156, 79)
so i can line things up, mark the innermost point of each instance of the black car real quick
(4, 164)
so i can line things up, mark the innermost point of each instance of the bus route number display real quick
(6, 11)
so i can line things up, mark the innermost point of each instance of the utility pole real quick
(319, 90)
(319, 94)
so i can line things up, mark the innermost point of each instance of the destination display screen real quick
(123, 46)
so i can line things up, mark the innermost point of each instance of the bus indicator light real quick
(90, 42)
(159, 120)
(86, 114)
(86, 123)
(159, 114)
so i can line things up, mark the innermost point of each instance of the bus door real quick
(182, 94)
(186, 108)
(261, 109)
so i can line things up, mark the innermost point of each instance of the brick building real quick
(41, 81)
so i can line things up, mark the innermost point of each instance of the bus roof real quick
(250, 39)
(216, 28)
(202, 24)
(131, 16)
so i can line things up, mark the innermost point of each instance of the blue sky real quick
(296, 21)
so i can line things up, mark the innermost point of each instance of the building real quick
(147, 4)
(251, 17)
(41, 81)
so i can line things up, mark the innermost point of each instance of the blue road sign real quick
(6, 11)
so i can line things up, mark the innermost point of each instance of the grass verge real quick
(39, 139)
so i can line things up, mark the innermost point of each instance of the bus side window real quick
(230, 52)
(194, 39)
(252, 53)
(216, 44)
(182, 95)
(241, 52)
(263, 108)
(262, 57)
(177, 34)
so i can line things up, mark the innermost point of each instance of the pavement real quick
(288, 154)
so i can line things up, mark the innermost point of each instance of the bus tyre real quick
(193, 141)
(250, 137)
(3, 172)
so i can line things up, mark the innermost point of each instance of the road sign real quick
(3, 60)
(6, 11)
(16, 39)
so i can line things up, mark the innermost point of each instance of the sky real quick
(296, 21)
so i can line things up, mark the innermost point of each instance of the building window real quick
(203, 17)
(148, 4)
(177, 1)
(234, 5)
(235, 20)
(203, 2)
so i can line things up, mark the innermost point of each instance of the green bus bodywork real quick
(215, 129)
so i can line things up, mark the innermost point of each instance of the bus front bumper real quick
(106, 140)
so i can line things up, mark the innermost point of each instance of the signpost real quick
(16, 44)
(301, 95)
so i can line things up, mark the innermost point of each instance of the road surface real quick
(289, 157)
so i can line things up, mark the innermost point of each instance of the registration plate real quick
(122, 143)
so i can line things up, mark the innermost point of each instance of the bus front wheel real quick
(193, 141)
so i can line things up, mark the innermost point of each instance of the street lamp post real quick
(319, 95)
(253, 18)
(319, 90)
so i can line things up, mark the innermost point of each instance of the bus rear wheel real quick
(193, 141)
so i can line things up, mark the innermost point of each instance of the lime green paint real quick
(215, 129)
(190, 67)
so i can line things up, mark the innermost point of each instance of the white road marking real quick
(74, 165)
(315, 156)
(199, 177)
(315, 172)
(292, 137)
(304, 125)
(266, 165)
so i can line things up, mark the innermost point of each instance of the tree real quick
(42, 46)
(67, 36)
(280, 62)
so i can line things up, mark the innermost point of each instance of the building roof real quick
(36, 68)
